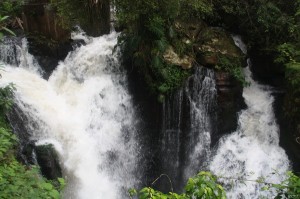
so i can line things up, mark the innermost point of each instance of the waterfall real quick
(253, 151)
(85, 111)
(14, 51)
(188, 120)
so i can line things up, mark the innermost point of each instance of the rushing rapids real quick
(253, 151)
(85, 111)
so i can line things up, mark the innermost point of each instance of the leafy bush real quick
(233, 66)
(203, 186)
(94, 15)
(6, 97)
(11, 7)
(289, 188)
(3, 28)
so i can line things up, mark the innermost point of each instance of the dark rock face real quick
(230, 102)
(214, 44)
(48, 57)
(265, 71)
(150, 114)
(48, 41)
(29, 153)
(48, 161)
(289, 130)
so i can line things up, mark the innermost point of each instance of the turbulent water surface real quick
(252, 151)
(84, 110)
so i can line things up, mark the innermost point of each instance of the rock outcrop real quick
(48, 161)
(230, 102)
(216, 43)
(172, 57)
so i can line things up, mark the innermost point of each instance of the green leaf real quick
(54, 194)
(3, 18)
(9, 31)
(47, 186)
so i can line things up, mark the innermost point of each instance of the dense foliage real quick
(290, 57)
(264, 23)
(289, 188)
(3, 28)
(93, 15)
(12, 9)
(203, 186)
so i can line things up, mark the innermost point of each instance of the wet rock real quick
(265, 70)
(171, 57)
(230, 102)
(48, 161)
(48, 56)
(215, 42)
(289, 137)
(28, 152)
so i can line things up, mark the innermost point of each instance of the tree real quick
(92, 15)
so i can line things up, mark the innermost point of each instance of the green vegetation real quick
(93, 15)
(233, 66)
(289, 188)
(11, 7)
(265, 24)
(203, 186)
(289, 55)
(3, 28)
(150, 28)
(17, 180)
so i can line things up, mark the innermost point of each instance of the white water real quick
(17, 54)
(188, 119)
(252, 151)
(85, 111)
(203, 101)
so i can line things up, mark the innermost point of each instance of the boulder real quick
(190, 29)
(213, 44)
(172, 57)
(48, 161)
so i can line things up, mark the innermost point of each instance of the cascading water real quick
(252, 151)
(86, 112)
(14, 51)
(188, 117)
